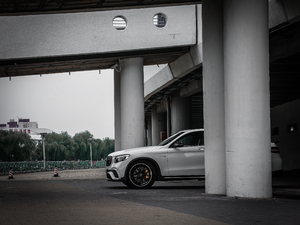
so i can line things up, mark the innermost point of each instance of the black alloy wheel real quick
(141, 174)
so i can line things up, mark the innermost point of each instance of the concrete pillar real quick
(132, 103)
(117, 104)
(149, 130)
(247, 110)
(169, 127)
(181, 113)
(213, 97)
(158, 124)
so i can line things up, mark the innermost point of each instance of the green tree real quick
(97, 147)
(19, 146)
(70, 145)
(58, 147)
(101, 148)
(82, 146)
(15, 146)
(108, 147)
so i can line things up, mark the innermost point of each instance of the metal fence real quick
(38, 166)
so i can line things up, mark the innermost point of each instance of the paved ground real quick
(63, 175)
(85, 197)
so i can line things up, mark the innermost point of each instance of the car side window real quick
(193, 139)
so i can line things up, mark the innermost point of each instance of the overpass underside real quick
(50, 43)
(228, 71)
(75, 63)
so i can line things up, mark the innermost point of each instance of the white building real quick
(22, 125)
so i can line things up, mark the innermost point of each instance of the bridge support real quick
(236, 98)
(117, 80)
(213, 97)
(180, 113)
(247, 98)
(158, 124)
(149, 131)
(130, 107)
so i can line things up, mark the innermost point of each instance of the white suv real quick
(181, 156)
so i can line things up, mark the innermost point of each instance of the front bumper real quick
(115, 171)
(113, 175)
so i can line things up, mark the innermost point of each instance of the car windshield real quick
(168, 140)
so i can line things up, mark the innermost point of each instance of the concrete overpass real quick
(232, 67)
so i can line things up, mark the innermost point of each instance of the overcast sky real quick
(62, 102)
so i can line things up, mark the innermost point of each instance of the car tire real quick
(140, 174)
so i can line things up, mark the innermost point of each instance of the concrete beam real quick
(192, 88)
(162, 107)
(182, 66)
(47, 35)
(156, 83)
(283, 12)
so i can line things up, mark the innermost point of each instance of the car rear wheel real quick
(141, 174)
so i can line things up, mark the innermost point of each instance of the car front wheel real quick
(141, 174)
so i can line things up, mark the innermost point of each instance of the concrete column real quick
(213, 97)
(132, 103)
(169, 127)
(180, 113)
(247, 110)
(158, 124)
(117, 110)
(149, 130)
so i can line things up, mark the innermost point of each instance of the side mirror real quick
(178, 144)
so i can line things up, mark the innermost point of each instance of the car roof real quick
(191, 130)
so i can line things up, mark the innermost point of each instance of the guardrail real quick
(38, 166)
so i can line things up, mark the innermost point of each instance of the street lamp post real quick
(43, 132)
(91, 152)
(44, 155)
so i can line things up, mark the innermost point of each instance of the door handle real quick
(201, 148)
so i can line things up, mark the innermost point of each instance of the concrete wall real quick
(93, 32)
(284, 117)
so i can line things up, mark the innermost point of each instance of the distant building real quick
(22, 125)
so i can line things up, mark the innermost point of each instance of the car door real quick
(186, 155)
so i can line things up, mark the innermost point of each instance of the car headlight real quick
(121, 158)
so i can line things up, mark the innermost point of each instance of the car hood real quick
(136, 150)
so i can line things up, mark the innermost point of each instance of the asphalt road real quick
(96, 201)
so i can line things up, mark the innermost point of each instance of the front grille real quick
(108, 160)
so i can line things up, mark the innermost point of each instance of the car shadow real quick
(161, 187)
